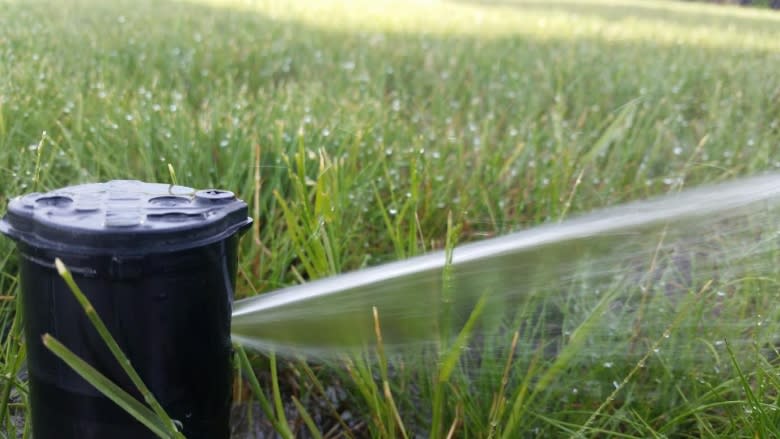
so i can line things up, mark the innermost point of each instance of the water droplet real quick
(392, 211)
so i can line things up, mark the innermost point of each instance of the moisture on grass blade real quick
(604, 286)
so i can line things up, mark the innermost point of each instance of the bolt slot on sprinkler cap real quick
(158, 263)
(214, 195)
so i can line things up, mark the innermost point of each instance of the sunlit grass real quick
(665, 23)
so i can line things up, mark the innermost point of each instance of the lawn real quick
(356, 128)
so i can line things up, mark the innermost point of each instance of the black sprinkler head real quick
(158, 262)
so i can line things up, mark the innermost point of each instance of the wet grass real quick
(369, 123)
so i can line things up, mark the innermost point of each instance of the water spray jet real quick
(623, 249)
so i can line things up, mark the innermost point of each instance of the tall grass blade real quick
(115, 393)
(307, 419)
(113, 346)
(246, 367)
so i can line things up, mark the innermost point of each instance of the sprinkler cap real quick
(124, 217)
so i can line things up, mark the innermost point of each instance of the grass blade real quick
(278, 403)
(15, 355)
(383, 370)
(38, 152)
(453, 354)
(315, 433)
(115, 393)
(265, 405)
(121, 358)
(172, 173)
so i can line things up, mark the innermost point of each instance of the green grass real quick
(372, 121)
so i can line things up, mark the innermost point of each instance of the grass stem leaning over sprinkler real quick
(157, 262)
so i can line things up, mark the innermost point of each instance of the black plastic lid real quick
(124, 217)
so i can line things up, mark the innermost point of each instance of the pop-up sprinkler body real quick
(158, 263)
